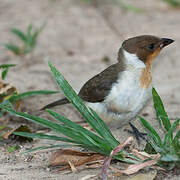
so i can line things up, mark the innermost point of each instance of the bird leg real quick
(136, 133)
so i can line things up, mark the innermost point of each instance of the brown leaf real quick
(77, 158)
(13, 137)
(143, 155)
(6, 90)
(131, 169)
(73, 169)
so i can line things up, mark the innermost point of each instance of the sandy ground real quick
(76, 38)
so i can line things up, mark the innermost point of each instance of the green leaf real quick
(19, 34)
(4, 73)
(151, 131)
(79, 128)
(4, 66)
(169, 158)
(160, 111)
(43, 136)
(103, 130)
(149, 149)
(48, 147)
(29, 29)
(13, 148)
(27, 94)
(69, 132)
(169, 135)
(14, 48)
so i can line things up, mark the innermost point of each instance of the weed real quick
(29, 40)
(168, 146)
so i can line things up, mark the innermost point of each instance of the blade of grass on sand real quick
(69, 132)
(44, 136)
(49, 124)
(20, 96)
(14, 48)
(4, 66)
(19, 34)
(168, 137)
(48, 147)
(79, 128)
(160, 111)
(151, 131)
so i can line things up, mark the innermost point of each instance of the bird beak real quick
(165, 42)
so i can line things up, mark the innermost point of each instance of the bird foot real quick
(136, 133)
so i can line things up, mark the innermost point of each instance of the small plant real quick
(5, 68)
(174, 3)
(168, 146)
(29, 40)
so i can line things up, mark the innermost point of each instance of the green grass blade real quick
(79, 128)
(48, 147)
(4, 73)
(43, 136)
(69, 132)
(14, 48)
(151, 131)
(46, 123)
(176, 143)
(75, 99)
(160, 111)
(27, 94)
(169, 136)
(104, 130)
(19, 34)
(4, 66)
(91, 138)
(29, 29)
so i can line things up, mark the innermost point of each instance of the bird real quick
(121, 91)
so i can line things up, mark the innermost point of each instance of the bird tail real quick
(56, 103)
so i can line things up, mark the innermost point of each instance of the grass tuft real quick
(168, 146)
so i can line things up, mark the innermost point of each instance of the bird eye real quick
(151, 46)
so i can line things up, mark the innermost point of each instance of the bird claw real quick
(136, 133)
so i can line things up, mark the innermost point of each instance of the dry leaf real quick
(77, 158)
(13, 137)
(131, 169)
(6, 90)
(143, 155)
(73, 169)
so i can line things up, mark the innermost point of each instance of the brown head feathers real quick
(146, 47)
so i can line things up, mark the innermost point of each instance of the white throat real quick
(132, 61)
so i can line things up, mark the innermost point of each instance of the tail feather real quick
(56, 103)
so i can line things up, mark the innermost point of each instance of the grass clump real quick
(168, 146)
(28, 39)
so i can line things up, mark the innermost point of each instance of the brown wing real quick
(97, 88)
